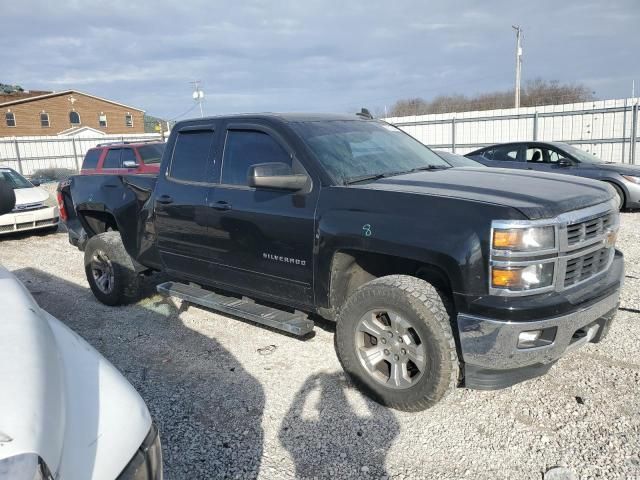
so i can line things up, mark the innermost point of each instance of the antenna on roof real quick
(365, 113)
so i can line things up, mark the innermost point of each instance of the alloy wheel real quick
(390, 349)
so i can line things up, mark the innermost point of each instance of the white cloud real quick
(313, 55)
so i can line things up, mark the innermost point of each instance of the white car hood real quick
(25, 196)
(59, 398)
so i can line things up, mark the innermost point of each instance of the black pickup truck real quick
(436, 277)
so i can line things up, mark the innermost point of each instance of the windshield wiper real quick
(364, 178)
(378, 176)
(429, 167)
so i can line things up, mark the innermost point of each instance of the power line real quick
(183, 114)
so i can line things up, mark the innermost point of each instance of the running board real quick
(296, 323)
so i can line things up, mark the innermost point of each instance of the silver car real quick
(557, 157)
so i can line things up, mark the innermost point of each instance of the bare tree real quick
(535, 93)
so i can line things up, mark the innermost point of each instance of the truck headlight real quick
(26, 466)
(146, 464)
(525, 239)
(522, 278)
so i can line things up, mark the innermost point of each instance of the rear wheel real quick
(394, 340)
(110, 271)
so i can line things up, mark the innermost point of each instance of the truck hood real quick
(537, 195)
(59, 398)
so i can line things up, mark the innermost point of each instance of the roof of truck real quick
(289, 117)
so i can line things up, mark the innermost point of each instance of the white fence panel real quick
(604, 128)
(29, 154)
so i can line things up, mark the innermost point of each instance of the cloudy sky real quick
(312, 55)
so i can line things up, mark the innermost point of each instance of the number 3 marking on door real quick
(366, 230)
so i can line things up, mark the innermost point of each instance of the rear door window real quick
(128, 155)
(508, 153)
(112, 160)
(191, 156)
(244, 148)
(91, 159)
(535, 155)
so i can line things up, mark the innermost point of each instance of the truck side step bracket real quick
(296, 323)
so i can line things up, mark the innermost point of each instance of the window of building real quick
(191, 155)
(74, 118)
(10, 118)
(44, 120)
(102, 119)
(244, 148)
(128, 120)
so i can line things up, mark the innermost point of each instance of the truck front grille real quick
(590, 229)
(586, 266)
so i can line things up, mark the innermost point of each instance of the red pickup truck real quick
(123, 158)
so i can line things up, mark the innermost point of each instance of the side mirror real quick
(7, 197)
(129, 164)
(565, 162)
(35, 183)
(275, 175)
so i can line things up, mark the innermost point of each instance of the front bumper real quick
(31, 220)
(490, 347)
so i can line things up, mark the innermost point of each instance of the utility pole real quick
(518, 64)
(198, 95)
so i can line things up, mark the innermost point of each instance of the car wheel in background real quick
(110, 271)
(619, 195)
(394, 340)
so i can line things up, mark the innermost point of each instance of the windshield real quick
(580, 154)
(15, 179)
(353, 150)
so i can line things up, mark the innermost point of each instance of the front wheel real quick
(394, 340)
(110, 271)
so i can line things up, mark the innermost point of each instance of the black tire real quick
(105, 251)
(421, 305)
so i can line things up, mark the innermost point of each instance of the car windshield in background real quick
(458, 160)
(580, 154)
(355, 150)
(15, 179)
(151, 153)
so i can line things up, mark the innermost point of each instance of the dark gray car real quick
(557, 157)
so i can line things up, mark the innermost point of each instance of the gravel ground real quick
(234, 400)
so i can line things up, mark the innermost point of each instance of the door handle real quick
(164, 199)
(222, 205)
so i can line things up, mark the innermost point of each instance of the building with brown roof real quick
(51, 113)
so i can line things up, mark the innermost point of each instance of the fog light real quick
(529, 339)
